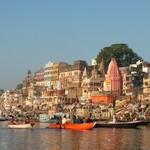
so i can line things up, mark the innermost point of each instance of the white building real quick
(6, 96)
(146, 81)
(146, 68)
(94, 62)
(47, 74)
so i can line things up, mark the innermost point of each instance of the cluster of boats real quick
(83, 126)
(77, 126)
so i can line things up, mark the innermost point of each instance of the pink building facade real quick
(113, 75)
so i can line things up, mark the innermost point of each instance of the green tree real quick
(121, 52)
(19, 86)
(1, 91)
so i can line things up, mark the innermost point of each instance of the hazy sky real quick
(34, 32)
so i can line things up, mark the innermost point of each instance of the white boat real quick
(21, 126)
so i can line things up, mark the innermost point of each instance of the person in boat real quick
(79, 120)
(56, 121)
(12, 119)
(88, 120)
(114, 118)
(27, 120)
(84, 120)
(64, 121)
(74, 118)
(136, 117)
(60, 120)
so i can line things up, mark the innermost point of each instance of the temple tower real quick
(113, 76)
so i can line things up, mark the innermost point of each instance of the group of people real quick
(76, 119)
(80, 119)
(26, 121)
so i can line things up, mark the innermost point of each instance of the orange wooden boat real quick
(83, 126)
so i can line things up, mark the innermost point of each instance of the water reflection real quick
(41, 138)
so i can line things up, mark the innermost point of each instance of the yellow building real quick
(55, 74)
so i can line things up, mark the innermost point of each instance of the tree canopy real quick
(1, 91)
(121, 52)
(19, 86)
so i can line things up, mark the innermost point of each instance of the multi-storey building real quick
(126, 81)
(146, 80)
(39, 78)
(71, 77)
(92, 83)
(55, 74)
(11, 98)
(135, 79)
(146, 88)
(47, 74)
(135, 75)
(5, 96)
(146, 68)
(27, 81)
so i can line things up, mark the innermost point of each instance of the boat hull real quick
(131, 124)
(20, 126)
(84, 126)
(2, 119)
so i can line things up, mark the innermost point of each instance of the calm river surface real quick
(42, 138)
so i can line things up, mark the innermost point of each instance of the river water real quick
(42, 138)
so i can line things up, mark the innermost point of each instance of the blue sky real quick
(34, 32)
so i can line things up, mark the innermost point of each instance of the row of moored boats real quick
(83, 126)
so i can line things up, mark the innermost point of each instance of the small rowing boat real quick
(129, 124)
(2, 119)
(82, 126)
(21, 126)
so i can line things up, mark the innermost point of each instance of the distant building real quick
(94, 62)
(39, 78)
(146, 88)
(48, 74)
(55, 73)
(146, 68)
(146, 80)
(27, 81)
(71, 75)
(71, 79)
(135, 79)
(5, 96)
(92, 83)
(113, 78)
